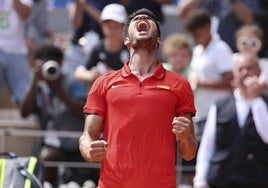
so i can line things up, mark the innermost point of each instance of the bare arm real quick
(23, 10)
(28, 101)
(91, 148)
(186, 6)
(93, 12)
(82, 74)
(184, 130)
(76, 12)
(224, 83)
(242, 12)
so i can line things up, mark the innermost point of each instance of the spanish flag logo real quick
(163, 87)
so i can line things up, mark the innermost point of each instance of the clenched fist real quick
(94, 151)
(182, 128)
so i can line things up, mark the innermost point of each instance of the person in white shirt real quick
(14, 67)
(234, 147)
(211, 65)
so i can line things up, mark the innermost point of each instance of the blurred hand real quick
(254, 87)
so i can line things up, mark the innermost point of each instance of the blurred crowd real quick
(51, 80)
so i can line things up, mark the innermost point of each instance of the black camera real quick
(51, 70)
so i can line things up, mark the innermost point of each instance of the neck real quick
(206, 42)
(143, 64)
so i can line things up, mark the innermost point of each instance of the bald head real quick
(247, 62)
(245, 66)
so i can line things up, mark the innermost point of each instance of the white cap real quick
(115, 12)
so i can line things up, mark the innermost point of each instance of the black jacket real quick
(241, 157)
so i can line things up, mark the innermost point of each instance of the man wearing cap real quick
(110, 53)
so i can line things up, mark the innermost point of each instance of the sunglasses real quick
(249, 42)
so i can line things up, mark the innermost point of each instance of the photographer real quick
(58, 104)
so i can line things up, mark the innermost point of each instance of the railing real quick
(6, 132)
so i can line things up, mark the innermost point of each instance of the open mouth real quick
(142, 26)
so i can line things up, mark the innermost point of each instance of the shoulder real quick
(177, 82)
(197, 49)
(220, 45)
(224, 103)
(106, 79)
(172, 75)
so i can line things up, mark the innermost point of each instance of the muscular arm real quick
(23, 10)
(184, 130)
(90, 147)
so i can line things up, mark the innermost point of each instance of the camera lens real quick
(51, 70)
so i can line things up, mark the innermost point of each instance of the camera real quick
(51, 70)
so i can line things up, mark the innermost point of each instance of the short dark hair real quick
(49, 52)
(139, 12)
(196, 19)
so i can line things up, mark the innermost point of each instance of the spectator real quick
(234, 148)
(110, 53)
(177, 52)
(140, 109)
(249, 40)
(58, 107)
(37, 31)
(211, 65)
(14, 67)
(231, 14)
(85, 15)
